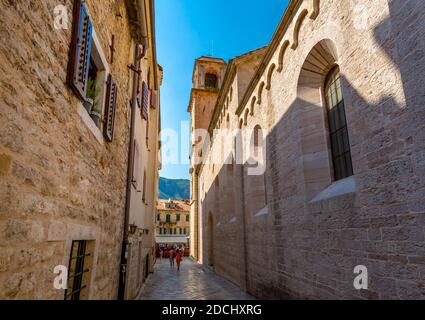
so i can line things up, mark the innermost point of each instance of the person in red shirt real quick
(178, 259)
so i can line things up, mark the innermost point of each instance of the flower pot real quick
(88, 105)
(96, 116)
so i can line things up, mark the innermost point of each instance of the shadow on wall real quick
(303, 251)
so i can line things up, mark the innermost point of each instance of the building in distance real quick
(172, 223)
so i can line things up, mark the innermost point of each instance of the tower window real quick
(210, 81)
(340, 144)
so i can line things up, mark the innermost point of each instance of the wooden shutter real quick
(145, 100)
(79, 63)
(110, 107)
(153, 99)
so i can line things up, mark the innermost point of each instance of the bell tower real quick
(207, 78)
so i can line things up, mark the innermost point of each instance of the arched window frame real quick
(337, 125)
(251, 111)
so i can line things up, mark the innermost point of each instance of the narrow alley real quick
(192, 282)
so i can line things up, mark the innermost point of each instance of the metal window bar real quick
(77, 274)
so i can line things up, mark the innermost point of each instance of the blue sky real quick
(186, 30)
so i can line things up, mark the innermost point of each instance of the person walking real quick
(161, 254)
(171, 253)
(178, 259)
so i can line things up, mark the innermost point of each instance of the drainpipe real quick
(135, 67)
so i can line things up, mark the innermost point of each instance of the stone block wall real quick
(316, 231)
(58, 183)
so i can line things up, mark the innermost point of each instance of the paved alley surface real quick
(191, 283)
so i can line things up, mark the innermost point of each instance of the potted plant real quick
(92, 101)
(91, 92)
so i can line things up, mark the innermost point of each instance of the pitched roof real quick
(179, 205)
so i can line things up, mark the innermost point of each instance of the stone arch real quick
(260, 92)
(312, 117)
(256, 183)
(269, 76)
(254, 99)
(257, 140)
(245, 118)
(297, 28)
(315, 9)
(282, 55)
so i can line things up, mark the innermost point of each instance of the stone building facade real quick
(172, 223)
(323, 168)
(66, 94)
(145, 166)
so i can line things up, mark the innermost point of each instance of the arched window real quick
(256, 180)
(211, 81)
(340, 144)
(258, 142)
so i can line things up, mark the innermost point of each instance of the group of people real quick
(175, 256)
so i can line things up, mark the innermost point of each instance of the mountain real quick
(173, 189)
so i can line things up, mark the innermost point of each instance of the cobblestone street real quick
(192, 282)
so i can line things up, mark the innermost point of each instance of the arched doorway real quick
(210, 240)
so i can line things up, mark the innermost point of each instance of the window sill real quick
(338, 196)
(89, 123)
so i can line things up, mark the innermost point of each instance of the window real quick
(158, 217)
(88, 74)
(79, 270)
(168, 218)
(340, 144)
(258, 143)
(211, 81)
(178, 218)
(187, 218)
(145, 101)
